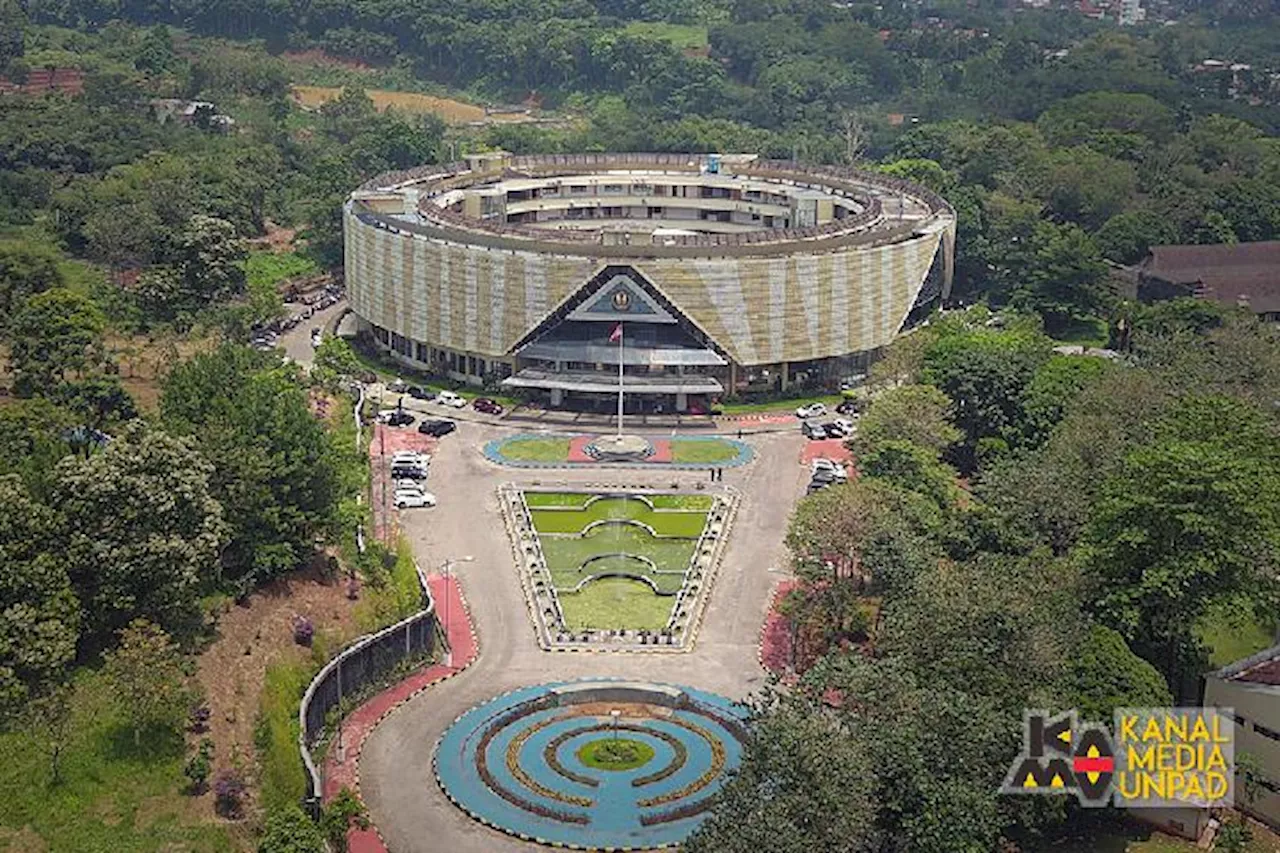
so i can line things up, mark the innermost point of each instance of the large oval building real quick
(705, 275)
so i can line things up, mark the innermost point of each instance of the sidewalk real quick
(341, 764)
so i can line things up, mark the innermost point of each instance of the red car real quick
(487, 406)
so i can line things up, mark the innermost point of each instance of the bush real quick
(339, 815)
(228, 791)
(198, 766)
(289, 830)
(199, 719)
(303, 630)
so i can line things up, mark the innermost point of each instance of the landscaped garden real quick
(617, 561)
(532, 450)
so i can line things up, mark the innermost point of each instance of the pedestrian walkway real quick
(342, 761)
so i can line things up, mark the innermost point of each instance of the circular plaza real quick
(600, 764)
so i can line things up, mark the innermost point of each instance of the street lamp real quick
(444, 571)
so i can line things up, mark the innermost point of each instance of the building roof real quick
(1262, 668)
(1230, 274)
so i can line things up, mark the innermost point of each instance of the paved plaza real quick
(395, 769)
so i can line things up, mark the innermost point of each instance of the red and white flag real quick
(617, 334)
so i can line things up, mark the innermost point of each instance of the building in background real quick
(1245, 275)
(1251, 688)
(728, 273)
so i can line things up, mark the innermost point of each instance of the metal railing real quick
(363, 662)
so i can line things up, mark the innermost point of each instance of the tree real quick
(1064, 278)
(39, 614)
(804, 784)
(275, 471)
(290, 830)
(1104, 674)
(911, 413)
(145, 670)
(209, 258)
(1052, 389)
(142, 531)
(335, 362)
(912, 468)
(48, 718)
(54, 333)
(1127, 237)
(26, 268)
(99, 401)
(1190, 519)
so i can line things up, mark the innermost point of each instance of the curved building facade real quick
(720, 274)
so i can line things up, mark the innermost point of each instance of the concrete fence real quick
(366, 661)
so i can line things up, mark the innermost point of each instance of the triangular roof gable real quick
(621, 297)
(636, 283)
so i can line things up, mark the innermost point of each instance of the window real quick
(577, 189)
(612, 188)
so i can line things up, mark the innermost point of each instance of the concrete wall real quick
(1254, 705)
(760, 309)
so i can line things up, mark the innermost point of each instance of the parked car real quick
(408, 484)
(829, 466)
(846, 426)
(812, 430)
(417, 392)
(409, 472)
(410, 456)
(813, 410)
(399, 418)
(449, 398)
(833, 430)
(487, 406)
(849, 407)
(406, 499)
(439, 429)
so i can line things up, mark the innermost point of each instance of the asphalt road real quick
(395, 766)
(297, 341)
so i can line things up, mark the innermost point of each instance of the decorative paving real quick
(617, 571)
(602, 765)
(687, 452)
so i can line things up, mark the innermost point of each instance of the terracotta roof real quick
(1227, 274)
(1267, 672)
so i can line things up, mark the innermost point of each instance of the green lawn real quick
(272, 268)
(1232, 634)
(567, 499)
(567, 554)
(114, 795)
(665, 522)
(536, 449)
(679, 36)
(701, 503)
(615, 603)
(704, 451)
(1085, 333)
(615, 753)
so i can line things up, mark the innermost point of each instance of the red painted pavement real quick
(357, 726)
(386, 441)
(827, 448)
(775, 639)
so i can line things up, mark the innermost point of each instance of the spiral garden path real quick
(398, 760)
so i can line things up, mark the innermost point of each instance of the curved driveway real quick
(395, 765)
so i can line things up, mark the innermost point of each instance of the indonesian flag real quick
(616, 335)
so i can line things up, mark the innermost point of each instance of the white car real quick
(813, 410)
(845, 425)
(408, 499)
(409, 457)
(830, 465)
(449, 398)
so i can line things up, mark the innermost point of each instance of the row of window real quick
(442, 359)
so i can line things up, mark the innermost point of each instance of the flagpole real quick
(621, 345)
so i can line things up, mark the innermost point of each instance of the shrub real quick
(228, 791)
(303, 630)
(199, 719)
(198, 766)
(289, 830)
(339, 815)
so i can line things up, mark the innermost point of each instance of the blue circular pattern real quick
(512, 762)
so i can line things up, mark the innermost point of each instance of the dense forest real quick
(1011, 497)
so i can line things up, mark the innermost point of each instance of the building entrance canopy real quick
(591, 382)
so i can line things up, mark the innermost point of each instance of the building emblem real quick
(621, 299)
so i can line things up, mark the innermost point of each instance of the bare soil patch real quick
(252, 636)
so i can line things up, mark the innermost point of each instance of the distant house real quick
(198, 113)
(1243, 275)
(1251, 689)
